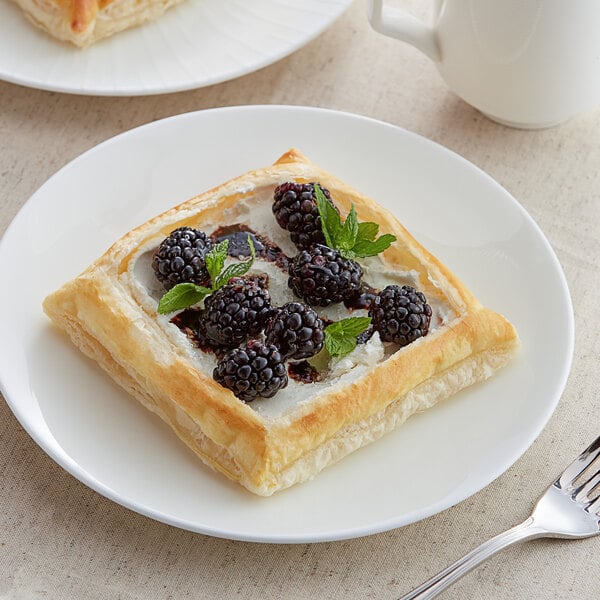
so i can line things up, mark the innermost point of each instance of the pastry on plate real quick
(280, 321)
(83, 22)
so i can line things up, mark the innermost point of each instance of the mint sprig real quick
(340, 336)
(184, 295)
(350, 238)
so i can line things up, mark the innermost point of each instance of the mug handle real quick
(399, 24)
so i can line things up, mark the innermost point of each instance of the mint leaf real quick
(235, 270)
(347, 235)
(364, 248)
(182, 296)
(215, 259)
(367, 231)
(339, 346)
(331, 224)
(340, 337)
(351, 326)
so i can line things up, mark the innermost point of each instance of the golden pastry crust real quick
(112, 319)
(83, 22)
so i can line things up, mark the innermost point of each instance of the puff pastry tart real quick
(256, 405)
(83, 22)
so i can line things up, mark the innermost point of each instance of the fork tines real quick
(582, 478)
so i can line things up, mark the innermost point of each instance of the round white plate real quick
(438, 458)
(198, 43)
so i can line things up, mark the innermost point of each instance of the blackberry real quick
(236, 312)
(254, 371)
(400, 314)
(296, 330)
(322, 276)
(295, 209)
(180, 258)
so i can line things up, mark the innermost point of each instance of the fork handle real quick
(525, 531)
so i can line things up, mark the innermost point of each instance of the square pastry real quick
(280, 321)
(83, 22)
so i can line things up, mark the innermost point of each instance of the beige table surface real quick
(59, 539)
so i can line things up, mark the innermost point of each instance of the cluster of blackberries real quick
(321, 276)
(234, 317)
(258, 369)
(255, 339)
(317, 274)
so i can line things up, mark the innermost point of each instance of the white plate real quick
(112, 444)
(198, 43)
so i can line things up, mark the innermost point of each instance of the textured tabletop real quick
(59, 539)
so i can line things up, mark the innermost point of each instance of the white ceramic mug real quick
(523, 63)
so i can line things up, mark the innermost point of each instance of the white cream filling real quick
(254, 211)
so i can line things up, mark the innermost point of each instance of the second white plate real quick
(198, 43)
(438, 458)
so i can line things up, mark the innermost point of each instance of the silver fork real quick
(569, 509)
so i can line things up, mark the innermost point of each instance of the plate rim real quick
(65, 461)
(158, 87)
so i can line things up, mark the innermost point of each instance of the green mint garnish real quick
(184, 295)
(340, 336)
(350, 238)
(368, 231)
(215, 259)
